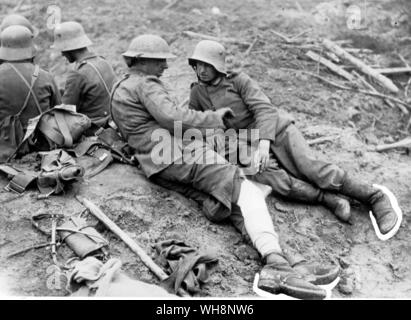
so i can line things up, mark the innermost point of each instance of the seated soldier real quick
(88, 86)
(298, 174)
(18, 20)
(26, 90)
(143, 110)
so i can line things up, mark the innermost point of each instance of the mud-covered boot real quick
(316, 273)
(306, 192)
(278, 277)
(383, 204)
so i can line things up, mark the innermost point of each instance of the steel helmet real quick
(210, 52)
(18, 20)
(16, 44)
(70, 36)
(149, 46)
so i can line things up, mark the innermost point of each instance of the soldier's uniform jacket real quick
(13, 91)
(86, 90)
(252, 108)
(141, 105)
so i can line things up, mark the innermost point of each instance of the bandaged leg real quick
(257, 219)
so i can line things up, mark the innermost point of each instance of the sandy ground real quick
(371, 268)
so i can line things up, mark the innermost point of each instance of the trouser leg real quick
(294, 154)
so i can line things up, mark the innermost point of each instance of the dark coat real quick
(86, 90)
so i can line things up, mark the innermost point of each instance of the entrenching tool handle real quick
(127, 239)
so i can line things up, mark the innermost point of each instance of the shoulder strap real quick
(115, 87)
(29, 86)
(64, 129)
(99, 75)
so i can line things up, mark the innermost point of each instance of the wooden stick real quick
(333, 57)
(300, 34)
(407, 87)
(339, 86)
(333, 67)
(18, 6)
(405, 143)
(28, 249)
(171, 4)
(394, 70)
(127, 239)
(405, 62)
(207, 37)
(358, 50)
(322, 139)
(384, 81)
(123, 236)
(285, 38)
(369, 86)
(251, 47)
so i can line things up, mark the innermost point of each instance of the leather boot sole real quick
(397, 210)
(261, 292)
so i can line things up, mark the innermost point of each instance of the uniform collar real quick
(87, 56)
(213, 83)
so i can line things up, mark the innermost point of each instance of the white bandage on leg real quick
(257, 219)
(265, 189)
(397, 210)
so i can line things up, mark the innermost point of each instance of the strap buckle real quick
(13, 186)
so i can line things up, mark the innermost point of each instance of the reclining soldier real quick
(142, 108)
(88, 86)
(299, 175)
(26, 90)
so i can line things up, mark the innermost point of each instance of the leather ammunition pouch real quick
(83, 239)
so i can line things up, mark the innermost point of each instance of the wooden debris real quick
(299, 7)
(369, 86)
(300, 34)
(28, 249)
(407, 87)
(340, 86)
(251, 46)
(18, 6)
(322, 140)
(333, 67)
(207, 37)
(405, 62)
(384, 81)
(284, 37)
(358, 50)
(393, 70)
(170, 5)
(332, 56)
(145, 258)
(405, 143)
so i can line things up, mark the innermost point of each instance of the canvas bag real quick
(63, 126)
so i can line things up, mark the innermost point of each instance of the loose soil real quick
(371, 268)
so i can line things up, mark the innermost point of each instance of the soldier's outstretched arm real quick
(157, 100)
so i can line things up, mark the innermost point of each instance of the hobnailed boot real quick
(382, 209)
(318, 274)
(306, 192)
(277, 277)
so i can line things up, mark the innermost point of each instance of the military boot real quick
(381, 206)
(318, 274)
(278, 277)
(306, 192)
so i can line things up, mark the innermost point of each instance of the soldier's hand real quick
(227, 115)
(263, 154)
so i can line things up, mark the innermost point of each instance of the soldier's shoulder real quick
(193, 85)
